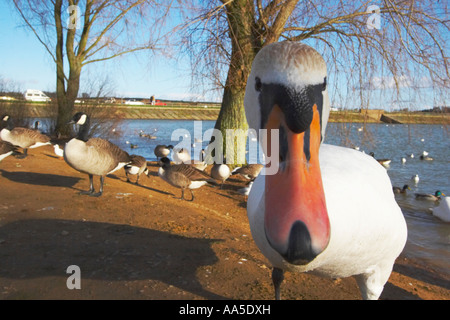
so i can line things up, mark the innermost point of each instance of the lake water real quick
(428, 237)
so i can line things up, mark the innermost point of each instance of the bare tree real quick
(399, 42)
(77, 33)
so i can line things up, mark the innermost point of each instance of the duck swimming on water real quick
(430, 197)
(401, 190)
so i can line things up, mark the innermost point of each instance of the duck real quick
(133, 146)
(93, 156)
(426, 158)
(401, 190)
(142, 134)
(415, 178)
(58, 151)
(181, 155)
(443, 210)
(137, 166)
(221, 172)
(6, 149)
(182, 176)
(403, 160)
(430, 197)
(24, 138)
(249, 171)
(315, 211)
(383, 162)
(162, 151)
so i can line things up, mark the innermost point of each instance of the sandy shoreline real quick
(141, 242)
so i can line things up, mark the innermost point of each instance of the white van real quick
(36, 95)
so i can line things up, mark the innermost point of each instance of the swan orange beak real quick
(296, 218)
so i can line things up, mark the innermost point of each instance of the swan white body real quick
(368, 230)
(443, 210)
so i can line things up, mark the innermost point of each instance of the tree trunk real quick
(247, 36)
(240, 15)
(66, 95)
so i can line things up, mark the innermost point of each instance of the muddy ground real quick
(142, 242)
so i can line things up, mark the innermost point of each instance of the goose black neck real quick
(83, 132)
(9, 124)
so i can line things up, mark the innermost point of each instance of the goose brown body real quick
(182, 176)
(96, 156)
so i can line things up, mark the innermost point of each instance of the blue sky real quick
(24, 61)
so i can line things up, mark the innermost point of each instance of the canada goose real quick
(93, 156)
(220, 172)
(6, 149)
(22, 137)
(162, 151)
(401, 190)
(182, 176)
(317, 213)
(137, 166)
(425, 196)
(249, 172)
(181, 156)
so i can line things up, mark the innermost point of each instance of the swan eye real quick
(258, 84)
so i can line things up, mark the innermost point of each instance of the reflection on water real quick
(428, 237)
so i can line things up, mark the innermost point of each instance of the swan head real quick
(286, 94)
(292, 76)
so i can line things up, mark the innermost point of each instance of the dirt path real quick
(141, 242)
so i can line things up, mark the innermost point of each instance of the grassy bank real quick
(199, 111)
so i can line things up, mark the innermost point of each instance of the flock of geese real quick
(334, 215)
(100, 157)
